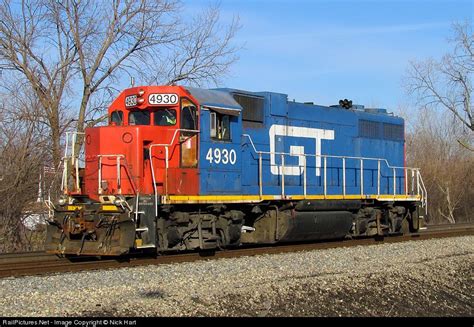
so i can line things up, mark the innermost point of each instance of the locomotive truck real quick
(182, 168)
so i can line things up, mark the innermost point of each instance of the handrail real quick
(121, 162)
(325, 155)
(424, 196)
(72, 137)
(420, 185)
(48, 202)
(74, 161)
(166, 145)
(99, 173)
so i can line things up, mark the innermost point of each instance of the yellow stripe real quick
(109, 208)
(255, 198)
(73, 208)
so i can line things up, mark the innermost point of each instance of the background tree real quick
(447, 84)
(61, 62)
(22, 158)
(84, 47)
(447, 167)
(35, 45)
(443, 89)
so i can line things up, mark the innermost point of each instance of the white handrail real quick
(119, 181)
(325, 155)
(424, 195)
(74, 161)
(420, 185)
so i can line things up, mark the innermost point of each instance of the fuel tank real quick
(307, 220)
(317, 225)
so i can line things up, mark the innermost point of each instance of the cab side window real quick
(117, 118)
(139, 118)
(220, 126)
(188, 115)
(188, 139)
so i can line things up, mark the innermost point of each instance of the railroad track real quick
(40, 263)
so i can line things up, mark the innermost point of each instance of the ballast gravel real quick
(423, 278)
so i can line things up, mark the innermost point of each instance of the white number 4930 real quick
(224, 156)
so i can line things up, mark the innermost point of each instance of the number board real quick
(163, 98)
(131, 101)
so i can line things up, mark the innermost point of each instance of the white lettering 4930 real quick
(221, 156)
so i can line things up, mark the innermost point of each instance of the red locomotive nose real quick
(110, 167)
(142, 149)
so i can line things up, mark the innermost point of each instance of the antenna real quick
(132, 81)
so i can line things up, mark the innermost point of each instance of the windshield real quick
(139, 118)
(117, 118)
(165, 117)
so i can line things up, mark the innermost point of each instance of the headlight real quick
(62, 201)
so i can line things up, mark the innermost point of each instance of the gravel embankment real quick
(423, 278)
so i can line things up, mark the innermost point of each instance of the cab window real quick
(165, 117)
(188, 139)
(139, 118)
(117, 118)
(188, 115)
(220, 126)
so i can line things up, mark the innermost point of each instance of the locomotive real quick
(182, 168)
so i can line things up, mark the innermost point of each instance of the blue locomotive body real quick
(335, 143)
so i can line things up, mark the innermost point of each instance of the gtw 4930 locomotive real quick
(181, 168)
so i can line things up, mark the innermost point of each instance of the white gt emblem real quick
(297, 151)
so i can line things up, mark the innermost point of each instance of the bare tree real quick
(61, 62)
(35, 44)
(443, 91)
(447, 84)
(447, 169)
(22, 156)
(92, 45)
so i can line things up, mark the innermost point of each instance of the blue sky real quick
(323, 51)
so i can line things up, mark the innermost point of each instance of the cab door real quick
(184, 179)
(220, 164)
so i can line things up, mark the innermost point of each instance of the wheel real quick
(405, 226)
(414, 221)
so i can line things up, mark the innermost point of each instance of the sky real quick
(323, 51)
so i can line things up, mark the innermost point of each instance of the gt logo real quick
(297, 151)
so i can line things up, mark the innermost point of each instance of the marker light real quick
(62, 200)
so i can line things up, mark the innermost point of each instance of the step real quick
(141, 229)
(208, 245)
(146, 246)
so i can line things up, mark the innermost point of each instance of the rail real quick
(166, 146)
(415, 173)
(37, 263)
